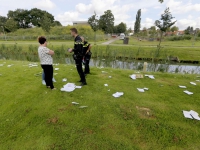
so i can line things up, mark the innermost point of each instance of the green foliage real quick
(2, 22)
(11, 25)
(137, 22)
(94, 22)
(189, 30)
(106, 22)
(120, 28)
(165, 21)
(179, 38)
(46, 23)
(174, 28)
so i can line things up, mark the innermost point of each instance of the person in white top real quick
(46, 61)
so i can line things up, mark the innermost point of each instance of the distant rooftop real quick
(80, 22)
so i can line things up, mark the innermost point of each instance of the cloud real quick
(147, 23)
(178, 7)
(45, 4)
(184, 23)
(68, 17)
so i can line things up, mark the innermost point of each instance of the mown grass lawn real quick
(35, 118)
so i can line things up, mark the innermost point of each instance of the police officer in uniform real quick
(87, 55)
(78, 54)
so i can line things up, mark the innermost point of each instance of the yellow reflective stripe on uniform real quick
(86, 45)
(78, 42)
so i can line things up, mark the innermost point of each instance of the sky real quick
(186, 12)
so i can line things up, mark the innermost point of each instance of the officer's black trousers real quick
(80, 69)
(87, 67)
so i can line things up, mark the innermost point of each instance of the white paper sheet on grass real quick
(193, 83)
(142, 90)
(183, 87)
(56, 69)
(191, 114)
(118, 94)
(188, 92)
(150, 76)
(105, 84)
(64, 80)
(69, 87)
(133, 76)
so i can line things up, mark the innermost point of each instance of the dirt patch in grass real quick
(145, 113)
(52, 120)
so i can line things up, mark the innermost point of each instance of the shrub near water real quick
(179, 38)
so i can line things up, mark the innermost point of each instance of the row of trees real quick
(106, 23)
(22, 18)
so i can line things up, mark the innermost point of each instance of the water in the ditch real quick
(138, 65)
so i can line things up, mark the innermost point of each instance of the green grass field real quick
(35, 118)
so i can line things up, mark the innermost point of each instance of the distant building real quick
(178, 33)
(80, 23)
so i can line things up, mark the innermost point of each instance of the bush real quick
(56, 33)
(179, 38)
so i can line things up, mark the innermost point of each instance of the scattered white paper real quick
(103, 71)
(189, 93)
(9, 66)
(195, 115)
(118, 94)
(83, 106)
(64, 80)
(110, 77)
(75, 103)
(150, 76)
(109, 90)
(69, 87)
(198, 80)
(105, 84)
(56, 68)
(133, 76)
(146, 89)
(140, 90)
(183, 87)
(78, 87)
(187, 114)
(191, 114)
(1, 65)
(193, 83)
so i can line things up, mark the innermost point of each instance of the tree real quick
(2, 22)
(121, 28)
(21, 16)
(164, 23)
(94, 22)
(174, 28)
(56, 23)
(187, 31)
(161, 1)
(36, 16)
(137, 22)
(11, 25)
(106, 22)
(46, 23)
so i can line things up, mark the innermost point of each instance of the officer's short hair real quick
(74, 30)
(42, 39)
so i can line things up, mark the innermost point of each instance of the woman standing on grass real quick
(46, 61)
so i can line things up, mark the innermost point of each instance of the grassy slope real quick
(33, 117)
(184, 53)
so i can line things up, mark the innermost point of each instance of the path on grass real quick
(110, 41)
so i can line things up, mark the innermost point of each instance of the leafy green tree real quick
(56, 23)
(36, 16)
(121, 28)
(106, 22)
(2, 22)
(174, 28)
(161, 1)
(21, 16)
(11, 25)
(137, 22)
(46, 23)
(187, 31)
(94, 22)
(164, 23)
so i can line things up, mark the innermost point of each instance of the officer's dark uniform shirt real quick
(78, 46)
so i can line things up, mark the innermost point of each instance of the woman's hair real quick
(74, 30)
(42, 39)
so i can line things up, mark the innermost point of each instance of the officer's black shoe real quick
(83, 84)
